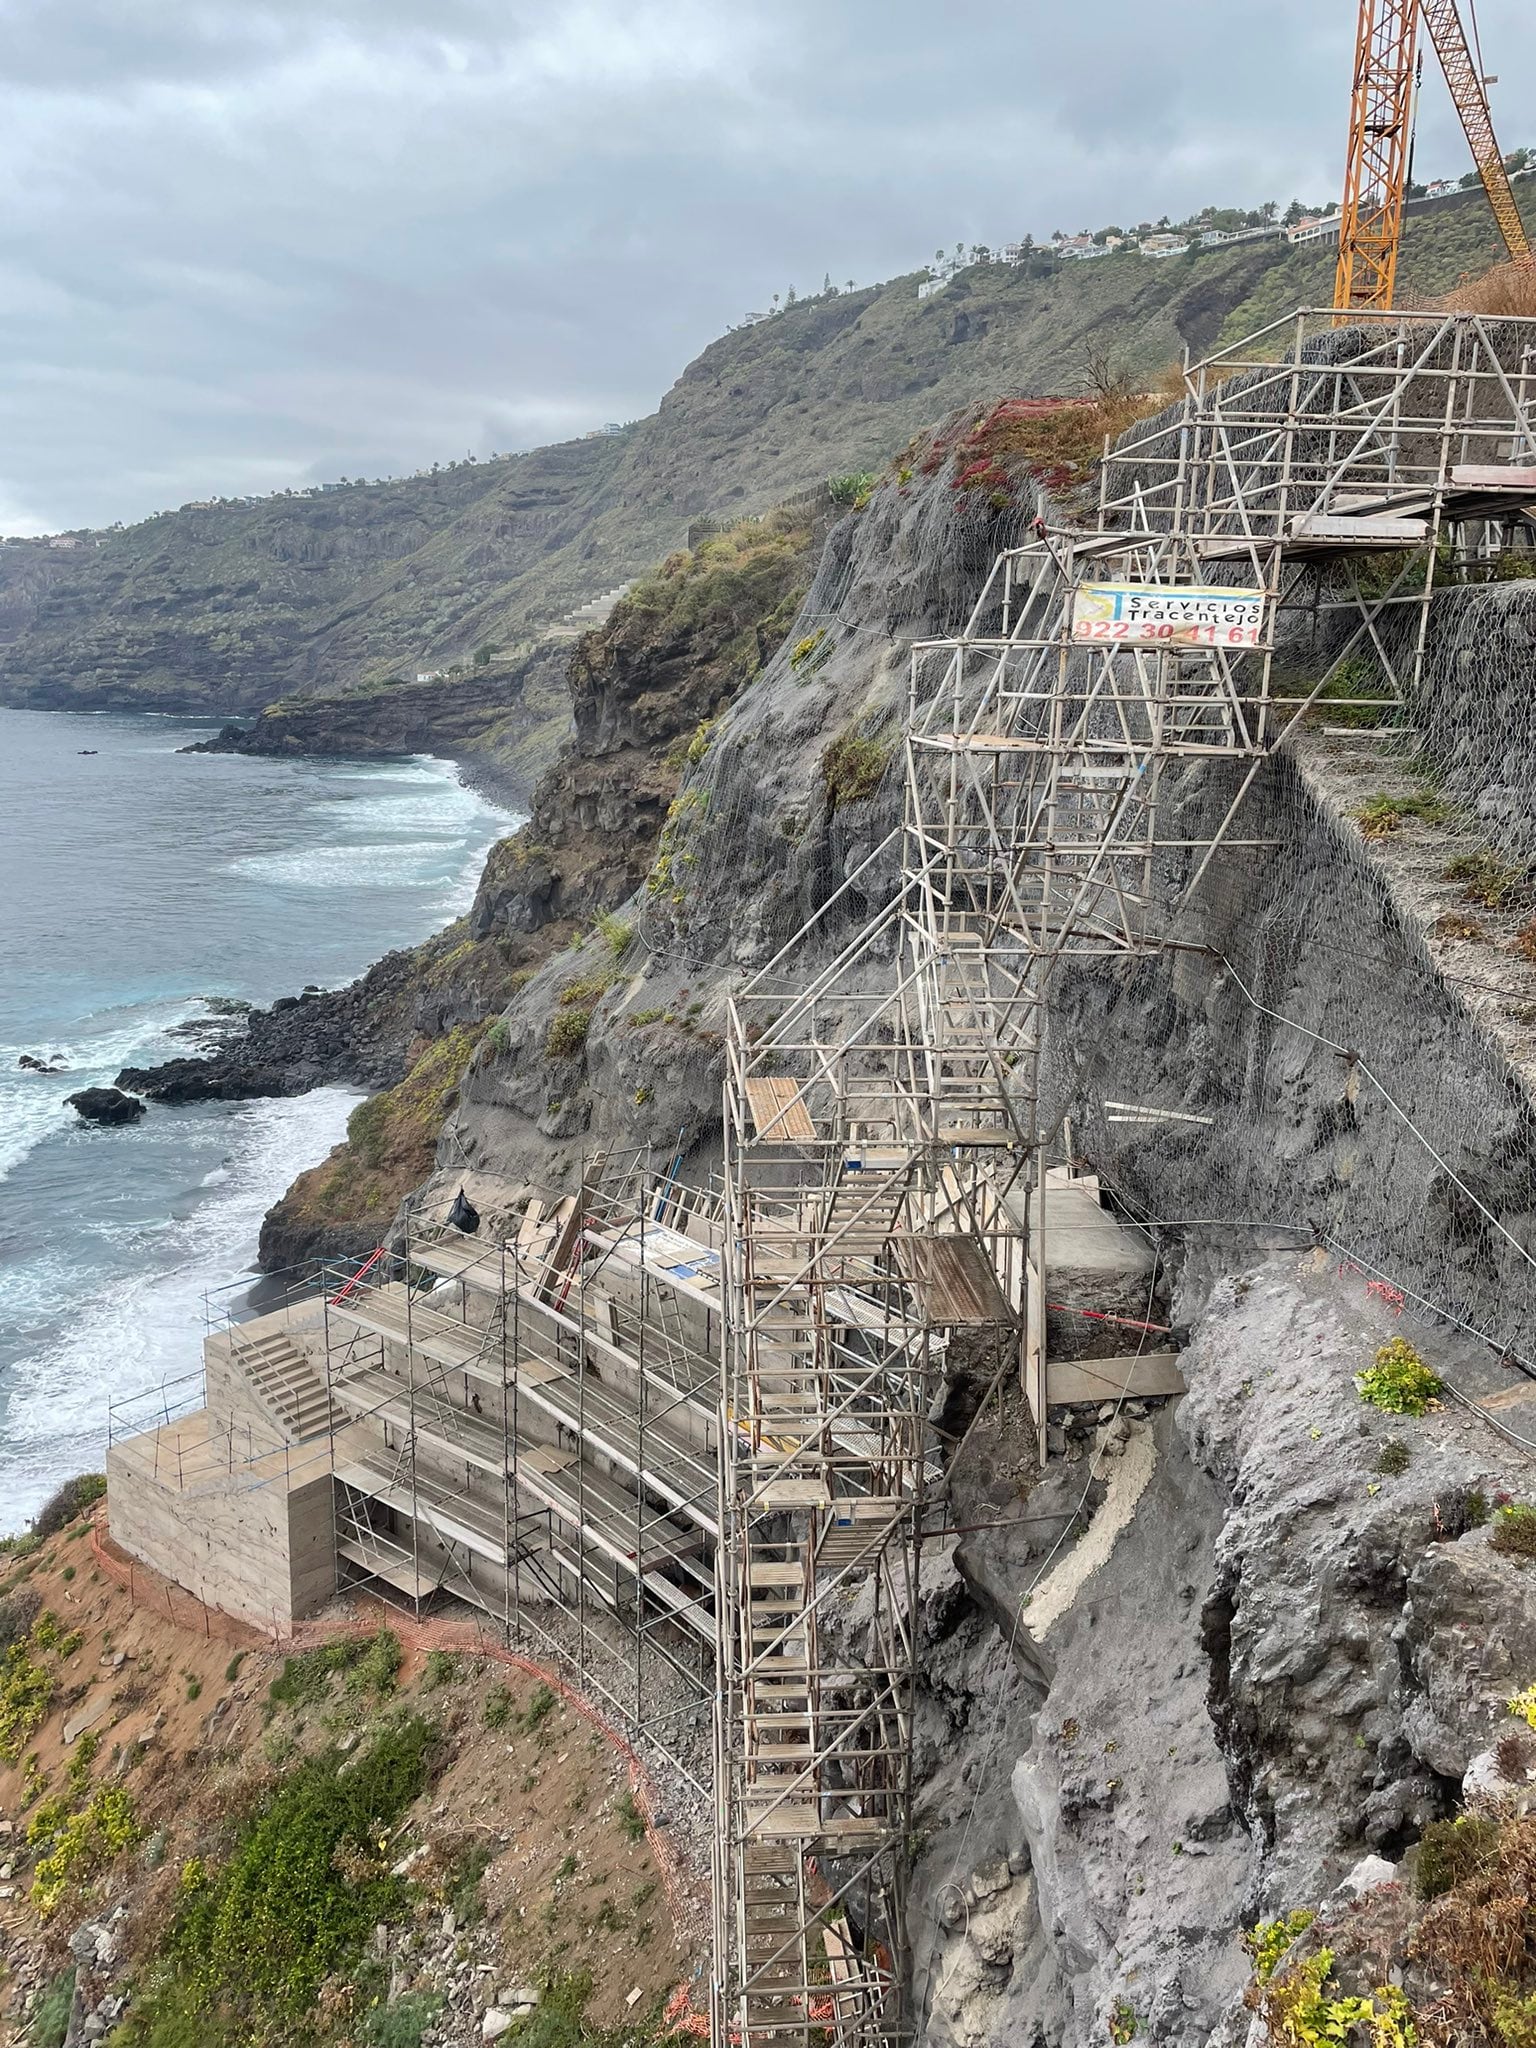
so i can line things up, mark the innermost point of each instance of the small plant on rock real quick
(1485, 879)
(1380, 817)
(1451, 1851)
(853, 767)
(1122, 2022)
(567, 1034)
(614, 932)
(1268, 1942)
(1399, 1383)
(808, 654)
(1514, 1530)
(630, 1818)
(1394, 1458)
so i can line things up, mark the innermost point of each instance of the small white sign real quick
(1167, 615)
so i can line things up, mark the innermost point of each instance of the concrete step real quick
(288, 1385)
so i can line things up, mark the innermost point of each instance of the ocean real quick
(135, 883)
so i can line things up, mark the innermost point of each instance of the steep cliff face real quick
(645, 690)
(1286, 1661)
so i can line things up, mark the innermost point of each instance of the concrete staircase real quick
(280, 1373)
(595, 612)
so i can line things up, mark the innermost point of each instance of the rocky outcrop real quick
(1295, 1649)
(504, 721)
(105, 1106)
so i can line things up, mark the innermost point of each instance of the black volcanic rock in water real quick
(105, 1106)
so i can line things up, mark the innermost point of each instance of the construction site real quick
(685, 1428)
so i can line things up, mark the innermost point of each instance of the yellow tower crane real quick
(1381, 143)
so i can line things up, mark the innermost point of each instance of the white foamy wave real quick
(32, 1105)
(396, 864)
(147, 1328)
(402, 812)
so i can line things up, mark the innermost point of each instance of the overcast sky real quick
(274, 242)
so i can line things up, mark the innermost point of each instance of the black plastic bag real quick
(464, 1215)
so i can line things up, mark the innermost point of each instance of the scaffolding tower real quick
(1074, 760)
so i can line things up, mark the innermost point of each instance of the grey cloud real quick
(260, 244)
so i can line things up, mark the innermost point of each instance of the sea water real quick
(136, 882)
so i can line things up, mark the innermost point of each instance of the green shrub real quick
(810, 651)
(26, 1691)
(630, 1818)
(253, 1941)
(498, 1707)
(614, 933)
(463, 1883)
(232, 1668)
(1381, 815)
(539, 1708)
(403, 2022)
(69, 1501)
(1451, 1851)
(853, 767)
(50, 2023)
(443, 1667)
(586, 992)
(1399, 1383)
(71, 1847)
(852, 490)
(371, 1664)
(1514, 1530)
(638, 1019)
(499, 1037)
(567, 1033)
(1268, 1942)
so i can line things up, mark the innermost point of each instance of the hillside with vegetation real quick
(376, 1837)
(225, 607)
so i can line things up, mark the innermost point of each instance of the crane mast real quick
(1380, 138)
(1464, 77)
(1381, 143)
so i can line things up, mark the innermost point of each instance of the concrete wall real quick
(257, 1543)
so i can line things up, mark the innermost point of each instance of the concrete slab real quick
(1144, 1375)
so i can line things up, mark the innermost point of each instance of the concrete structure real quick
(229, 1495)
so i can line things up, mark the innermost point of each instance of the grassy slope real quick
(229, 607)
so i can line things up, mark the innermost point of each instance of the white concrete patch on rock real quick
(1129, 1476)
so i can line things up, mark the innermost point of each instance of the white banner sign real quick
(1167, 615)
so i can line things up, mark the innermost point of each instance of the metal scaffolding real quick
(530, 1427)
(1074, 760)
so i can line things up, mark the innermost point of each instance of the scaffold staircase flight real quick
(1074, 760)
